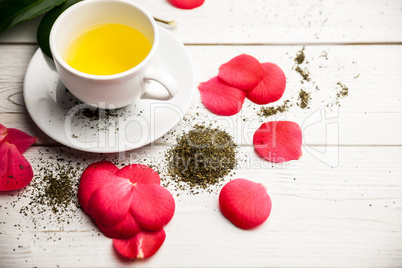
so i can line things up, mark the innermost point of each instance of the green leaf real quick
(46, 24)
(14, 12)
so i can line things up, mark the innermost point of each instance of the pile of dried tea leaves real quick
(51, 197)
(202, 157)
(54, 189)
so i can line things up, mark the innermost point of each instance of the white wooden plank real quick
(370, 114)
(13, 63)
(270, 21)
(338, 129)
(344, 216)
(371, 73)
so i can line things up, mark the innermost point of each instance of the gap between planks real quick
(164, 145)
(260, 44)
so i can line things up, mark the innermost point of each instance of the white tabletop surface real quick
(340, 205)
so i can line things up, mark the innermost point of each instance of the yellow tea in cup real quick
(107, 49)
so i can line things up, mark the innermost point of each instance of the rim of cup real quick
(57, 57)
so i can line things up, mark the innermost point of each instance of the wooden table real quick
(340, 205)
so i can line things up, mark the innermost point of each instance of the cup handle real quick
(165, 80)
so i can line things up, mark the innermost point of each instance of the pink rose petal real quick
(244, 72)
(141, 246)
(4, 148)
(3, 132)
(111, 202)
(20, 139)
(101, 165)
(125, 229)
(220, 98)
(139, 173)
(92, 179)
(152, 206)
(278, 141)
(186, 4)
(271, 87)
(245, 203)
(121, 202)
(18, 173)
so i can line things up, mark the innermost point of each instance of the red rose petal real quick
(3, 132)
(186, 4)
(4, 148)
(143, 245)
(271, 87)
(278, 141)
(111, 202)
(20, 139)
(101, 165)
(152, 206)
(18, 173)
(139, 173)
(121, 202)
(94, 177)
(220, 98)
(125, 229)
(245, 203)
(244, 72)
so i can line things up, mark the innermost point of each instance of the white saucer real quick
(74, 124)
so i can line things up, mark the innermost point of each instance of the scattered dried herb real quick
(96, 114)
(59, 192)
(304, 99)
(54, 188)
(50, 199)
(98, 120)
(300, 57)
(270, 111)
(304, 73)
(202, 157)
(344, 91)
(299, 60)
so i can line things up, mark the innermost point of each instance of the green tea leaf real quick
(14, 12)
(46, 24)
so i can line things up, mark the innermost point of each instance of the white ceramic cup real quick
(117, 90)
